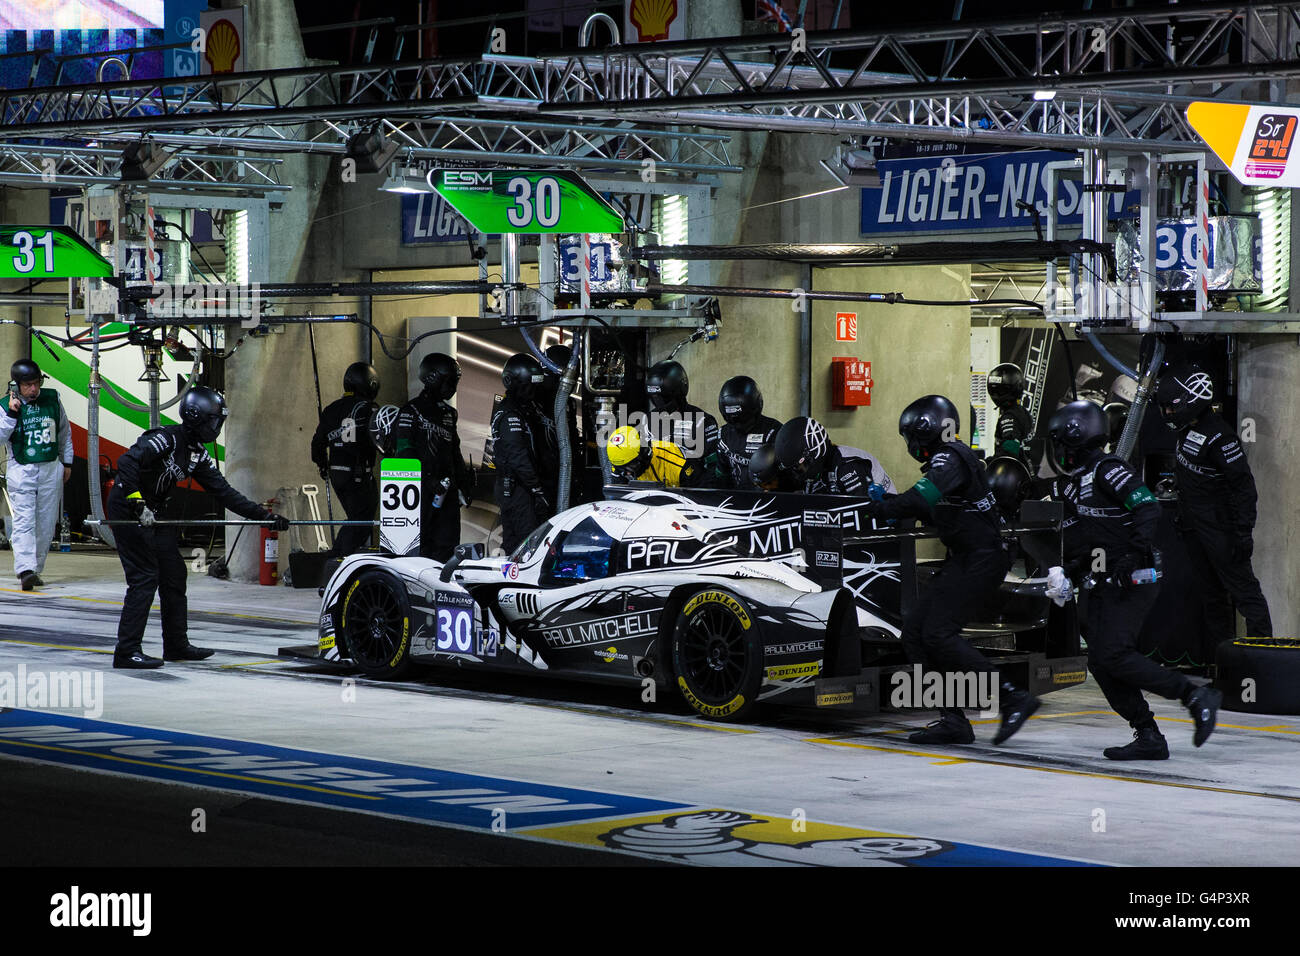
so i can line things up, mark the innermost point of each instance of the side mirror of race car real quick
(463, 552)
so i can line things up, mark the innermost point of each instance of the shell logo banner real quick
(224, 45)
(1257, 143)
(649, 21)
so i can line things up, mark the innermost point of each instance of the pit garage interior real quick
(934, 190)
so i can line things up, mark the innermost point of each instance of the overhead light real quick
(371, 150)
(405, 179)
(141, 160)
(1043, 96)
(853, 167)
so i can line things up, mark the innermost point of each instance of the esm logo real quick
(465, 178)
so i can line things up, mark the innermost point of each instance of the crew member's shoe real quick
(1017, 708)
(36, 580)
(136, 661)
(188, 653)
(952, 727)
(1148, 744)
(28, 580)
(1204, 707)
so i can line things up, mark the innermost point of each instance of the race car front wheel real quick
(717, 655)
(376, 624)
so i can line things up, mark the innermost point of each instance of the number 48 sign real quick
(399, 506)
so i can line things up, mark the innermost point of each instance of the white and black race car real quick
(726, 598)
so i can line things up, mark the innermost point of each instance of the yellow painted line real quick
(198, 770)
(252, 664)
(994, 720)
(156, 606)
(61, 647)
(833, 742)
(642, 718)
(1274, 729)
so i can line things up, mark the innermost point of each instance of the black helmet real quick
(1006, 384)
(24, 371)
(1183, 395)
(1117, 415)
(1075, 432)
(560, 355)
(927, 423)
(666, 384)
(440, 374)
(802, 447)
(740, 401)
(1009, 479)
(763, 469)
(383, 427)
(203, 412)
(521, 375)
(361, 380)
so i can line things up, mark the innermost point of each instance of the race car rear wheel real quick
(717, 655)
(375, 621)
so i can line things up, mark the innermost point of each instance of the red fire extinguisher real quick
(269, 572)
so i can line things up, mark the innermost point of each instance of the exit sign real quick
(846, 326)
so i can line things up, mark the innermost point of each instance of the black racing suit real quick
(1109, 531)
(1216, 515)
(518, 445)
(151, 557)
(737, 444)
(955, 495)
(695, 432)
(1012, 435)
(426, 428)
(342, 449)
(849, 471)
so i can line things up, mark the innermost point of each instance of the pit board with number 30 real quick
(399, 506)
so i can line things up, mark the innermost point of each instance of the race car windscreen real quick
(583, 554)
(530, 544)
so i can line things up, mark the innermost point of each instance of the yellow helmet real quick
(623, 446)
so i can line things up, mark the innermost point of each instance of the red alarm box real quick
(850, 382)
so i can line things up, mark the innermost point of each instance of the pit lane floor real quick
(577, 768)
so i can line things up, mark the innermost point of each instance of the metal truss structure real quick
(55, 164)
(1090, 80)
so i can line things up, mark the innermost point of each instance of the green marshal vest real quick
(35, 436)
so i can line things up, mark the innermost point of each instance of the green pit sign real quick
(48, 252)
(498, 201)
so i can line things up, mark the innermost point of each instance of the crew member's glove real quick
(325, 472)
(874, 509)
(1242, 549)
(541, 503)
(143, 514)
(1121, 572)
(465, 497)
(277, 522)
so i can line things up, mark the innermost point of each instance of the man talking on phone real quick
(40, 463)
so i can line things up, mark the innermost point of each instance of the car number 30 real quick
(455, 629)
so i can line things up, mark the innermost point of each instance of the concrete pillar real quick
(1269, 372)
(269, 382)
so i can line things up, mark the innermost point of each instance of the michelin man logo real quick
(709, 837)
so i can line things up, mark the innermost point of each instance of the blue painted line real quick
(352, 783)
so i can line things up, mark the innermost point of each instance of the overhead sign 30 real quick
(501, 201)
